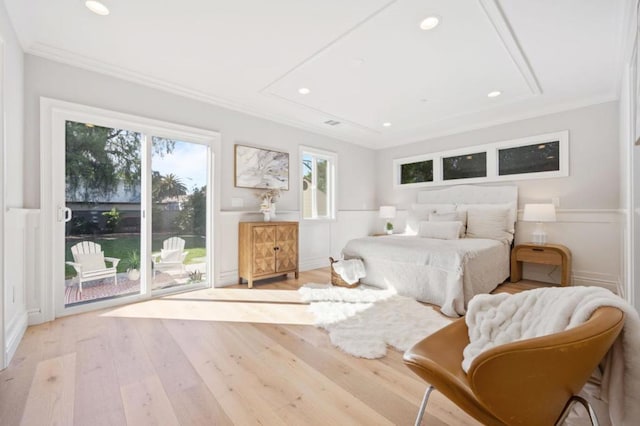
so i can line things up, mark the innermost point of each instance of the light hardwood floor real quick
(215, 356)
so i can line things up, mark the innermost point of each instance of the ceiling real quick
(365, 62)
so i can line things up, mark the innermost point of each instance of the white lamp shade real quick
(387, 212)
(539, 213)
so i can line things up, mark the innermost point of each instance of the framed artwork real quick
(261, 168)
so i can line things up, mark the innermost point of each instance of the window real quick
(534, 157)
(318, 171)
(420, 171)
(464, 166)
(543, 157)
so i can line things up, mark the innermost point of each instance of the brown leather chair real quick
(528, 382)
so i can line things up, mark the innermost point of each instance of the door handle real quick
(64, 214)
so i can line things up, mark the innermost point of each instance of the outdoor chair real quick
(171, 257)
(89, 263)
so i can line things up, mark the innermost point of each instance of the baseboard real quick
(15, 331)
(227, 278)
(34, 316)
(588, 278)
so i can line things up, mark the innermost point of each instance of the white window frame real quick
(332, 167)
(491, 150)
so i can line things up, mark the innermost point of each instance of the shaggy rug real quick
(362, 321)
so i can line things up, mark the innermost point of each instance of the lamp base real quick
(539, 236)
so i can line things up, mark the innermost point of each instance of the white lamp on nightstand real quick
(388, 213)
(539, 213)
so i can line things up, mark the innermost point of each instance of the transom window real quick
(534, 157)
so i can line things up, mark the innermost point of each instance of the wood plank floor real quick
(215, 356)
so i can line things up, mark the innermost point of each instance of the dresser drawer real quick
(539, 255)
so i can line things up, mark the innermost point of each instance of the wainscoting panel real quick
(21, 263)
(595, 240)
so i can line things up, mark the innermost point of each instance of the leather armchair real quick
(528, 382)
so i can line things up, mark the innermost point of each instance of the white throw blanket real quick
(350, 270)
(502, 318)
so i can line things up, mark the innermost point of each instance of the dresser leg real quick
(250, 282)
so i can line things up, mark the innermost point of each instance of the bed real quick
(449, 271)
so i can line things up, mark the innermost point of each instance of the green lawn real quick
(120, 246)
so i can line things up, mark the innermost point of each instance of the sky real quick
(188, 161)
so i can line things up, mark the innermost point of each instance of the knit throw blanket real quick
(503, 318)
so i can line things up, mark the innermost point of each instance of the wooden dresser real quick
(267, 249)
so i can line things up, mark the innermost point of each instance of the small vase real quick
(267, 216)
(133, 274)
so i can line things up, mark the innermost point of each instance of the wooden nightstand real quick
(548, 254)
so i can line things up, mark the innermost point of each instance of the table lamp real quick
(388, 213)
(539, 213)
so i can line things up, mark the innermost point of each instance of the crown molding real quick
(90, 64)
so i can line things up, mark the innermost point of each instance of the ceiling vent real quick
(332, 122)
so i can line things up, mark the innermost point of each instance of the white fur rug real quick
(362, 321)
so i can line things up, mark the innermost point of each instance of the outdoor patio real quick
(105, 289)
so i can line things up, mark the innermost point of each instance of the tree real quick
(321, 172)
(99, 158)
(113, 219)
(193, 216)
(170, 186)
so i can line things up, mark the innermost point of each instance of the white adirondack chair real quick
(171, 257)
(89, 263)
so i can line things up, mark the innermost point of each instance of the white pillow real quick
(457, 216)
(488, 223)
(171, 255)
(91, 261)
(510, 207)
(440, 230)
(421, 212)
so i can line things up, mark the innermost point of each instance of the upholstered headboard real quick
(462, 195)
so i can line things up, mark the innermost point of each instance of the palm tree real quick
(171, 186)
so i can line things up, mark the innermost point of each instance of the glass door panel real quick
(103, 221)
(179, 213)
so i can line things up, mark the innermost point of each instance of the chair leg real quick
(423, 406)
(567, 408)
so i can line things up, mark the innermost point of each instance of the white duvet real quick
(447, 273)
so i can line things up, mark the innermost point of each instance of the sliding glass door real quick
(107, 248)
(102, 172)
(179, 213)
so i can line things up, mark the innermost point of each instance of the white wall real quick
(12, 301)
(589, 222)
(356, 177)
(630, 158)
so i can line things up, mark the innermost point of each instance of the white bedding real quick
(447, 273)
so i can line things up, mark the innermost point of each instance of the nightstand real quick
(547, 254)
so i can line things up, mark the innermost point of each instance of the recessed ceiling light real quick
(494, 94)
(386, 124)
(97, 7)
(429, 23)
(304, 91)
